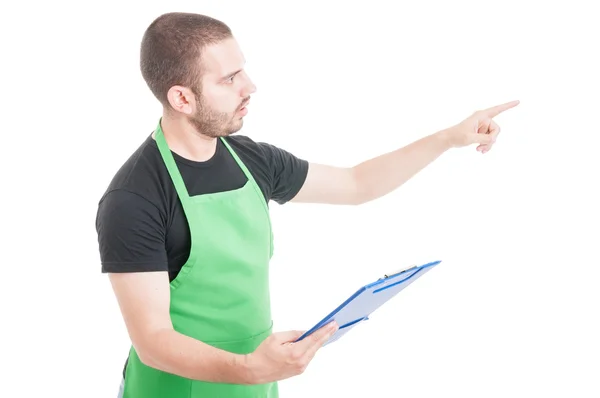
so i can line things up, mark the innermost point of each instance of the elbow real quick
(360, 193)
(147, 350)
(359, 198)
(146, 356)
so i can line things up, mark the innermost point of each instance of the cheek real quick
(222, 99)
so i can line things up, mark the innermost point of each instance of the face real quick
(221, 98)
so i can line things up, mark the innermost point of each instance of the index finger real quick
(498, 109)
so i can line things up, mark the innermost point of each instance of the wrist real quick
(246, 369)
(444, 138)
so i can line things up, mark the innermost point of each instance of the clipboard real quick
(359, 306)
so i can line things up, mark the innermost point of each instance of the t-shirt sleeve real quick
(131, 234)
(287, 172)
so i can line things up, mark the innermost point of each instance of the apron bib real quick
(221, 295)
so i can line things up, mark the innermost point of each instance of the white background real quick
(512, 310)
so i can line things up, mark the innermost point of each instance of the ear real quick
(182, 99)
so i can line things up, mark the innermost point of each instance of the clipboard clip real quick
(385, 276)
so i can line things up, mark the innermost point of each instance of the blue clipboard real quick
(357, 308)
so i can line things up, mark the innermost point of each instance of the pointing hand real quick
(479, 128)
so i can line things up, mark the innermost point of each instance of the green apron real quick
(221, 295)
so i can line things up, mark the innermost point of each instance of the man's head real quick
(194, 67)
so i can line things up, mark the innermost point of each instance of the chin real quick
(235, 127)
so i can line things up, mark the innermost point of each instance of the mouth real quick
(244, 104)
(243, 110)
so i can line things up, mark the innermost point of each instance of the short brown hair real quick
(171, 50)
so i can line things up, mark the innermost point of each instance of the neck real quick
(184, 140)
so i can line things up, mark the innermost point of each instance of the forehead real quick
(222, 58)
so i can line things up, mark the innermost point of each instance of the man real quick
(184, 229)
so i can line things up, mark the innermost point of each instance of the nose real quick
(249, 87)
(252, 88)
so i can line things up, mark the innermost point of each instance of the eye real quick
(230, 79)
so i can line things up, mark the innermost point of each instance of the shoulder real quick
(283, 171)
(142, 177)
(136, 196)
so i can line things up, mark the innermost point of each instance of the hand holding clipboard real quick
(286, 354)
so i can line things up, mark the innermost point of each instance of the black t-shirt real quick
(140, 222)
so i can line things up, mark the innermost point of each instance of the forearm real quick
(381, 175)
(175, 353)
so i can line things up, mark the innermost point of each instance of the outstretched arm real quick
(381, 175)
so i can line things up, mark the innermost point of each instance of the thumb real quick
(289, 336)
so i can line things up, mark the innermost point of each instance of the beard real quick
(213, 124)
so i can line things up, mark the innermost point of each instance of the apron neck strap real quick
(167, 156)
(176, 175)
